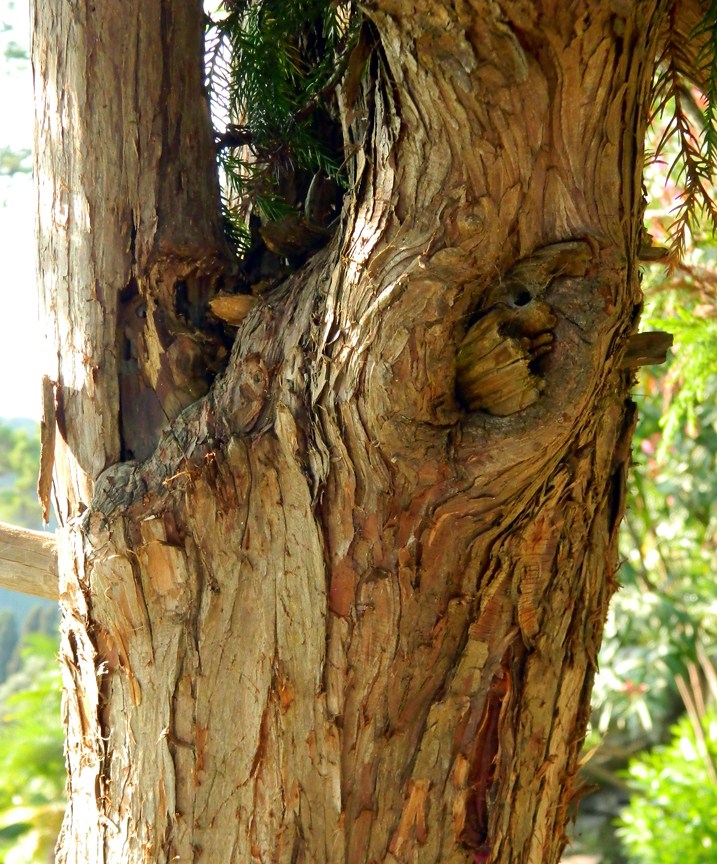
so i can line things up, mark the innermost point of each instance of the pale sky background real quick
(20, 367)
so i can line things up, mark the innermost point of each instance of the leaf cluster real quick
(672, 817)
(272, 68)
(683, 115)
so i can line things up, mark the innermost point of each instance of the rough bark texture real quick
(335, 616)
(128, 227)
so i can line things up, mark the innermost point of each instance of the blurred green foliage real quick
(661, 640)
(672, 817)
(654, 697)
(19, 460)
(15, 161)
(8, 641)
(667, 605)
(32, 764)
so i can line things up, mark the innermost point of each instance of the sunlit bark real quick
(328, 614)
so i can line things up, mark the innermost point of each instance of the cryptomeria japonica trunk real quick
(344, 604)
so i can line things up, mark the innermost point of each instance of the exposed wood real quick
(48, 428)
(28, 562)
(130, 241)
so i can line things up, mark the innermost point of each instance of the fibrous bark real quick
(334, 616)
(129, 230)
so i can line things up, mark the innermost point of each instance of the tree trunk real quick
(327, 613)
(28, 561)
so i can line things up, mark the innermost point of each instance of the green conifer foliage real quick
(685, 109)
(273, 67)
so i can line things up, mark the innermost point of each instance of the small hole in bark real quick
(522, 298)
(537, 366)
(130, 291)
(181, 299)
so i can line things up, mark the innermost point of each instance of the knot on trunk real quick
(498, 368)
(498, 361)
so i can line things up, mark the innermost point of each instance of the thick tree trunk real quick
(333, 616)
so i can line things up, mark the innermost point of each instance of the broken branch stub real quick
(646, 349)
(28, 562)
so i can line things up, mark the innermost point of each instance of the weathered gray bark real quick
(335, 617)
(128, 227)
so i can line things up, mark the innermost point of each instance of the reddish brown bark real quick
(334, 616)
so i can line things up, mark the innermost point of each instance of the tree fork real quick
(332, 616)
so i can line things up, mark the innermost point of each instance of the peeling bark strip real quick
(486, 747)
(48, 427)
(328, 615)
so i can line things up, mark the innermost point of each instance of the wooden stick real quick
(28, 561)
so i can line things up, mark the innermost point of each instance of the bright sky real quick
(20, 368)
